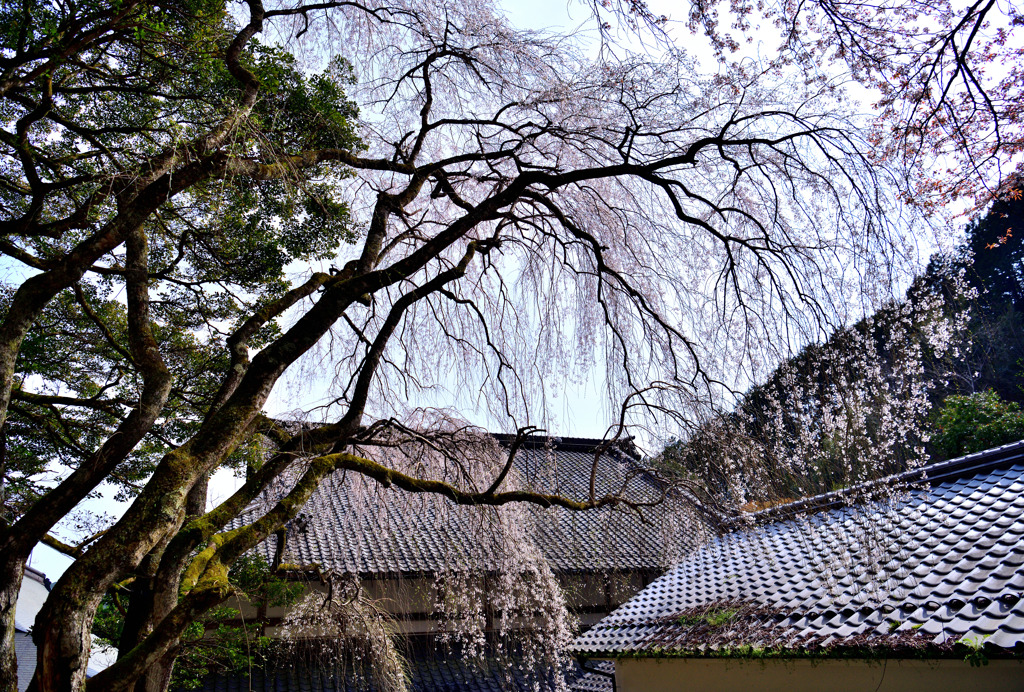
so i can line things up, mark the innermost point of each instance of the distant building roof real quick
(353, 525)
(933, 567)
(35, 588)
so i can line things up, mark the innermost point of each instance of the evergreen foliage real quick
(976, 422)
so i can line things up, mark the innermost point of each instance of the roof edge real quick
(952, 469)
(37, 576)
(954, 651)
(572, 444)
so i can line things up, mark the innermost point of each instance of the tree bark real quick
(156, 596)
(144, 611)
(11, 574)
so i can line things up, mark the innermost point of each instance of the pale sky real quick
(582, 412)
(580, 415)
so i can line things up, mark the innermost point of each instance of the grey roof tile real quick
(356, 526)
(942, 563)
(428, 672)
(601, 679)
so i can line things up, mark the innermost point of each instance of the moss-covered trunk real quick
(11, 574)
(154, 593)
(149, 603)
(63, 626)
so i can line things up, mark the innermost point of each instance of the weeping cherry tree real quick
(442, 217)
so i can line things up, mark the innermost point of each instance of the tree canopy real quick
(506, 212)
(882, 389)
(968, 424)
(947, 77)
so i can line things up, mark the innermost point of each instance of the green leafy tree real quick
(976, 422)
(221, 640)
(142, 244)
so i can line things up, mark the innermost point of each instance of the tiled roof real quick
(427, 673)
(356, 526)
(597, 676)
(931, 568)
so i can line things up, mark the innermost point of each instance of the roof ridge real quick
(36, 575)
(572, 444)
(951, 469)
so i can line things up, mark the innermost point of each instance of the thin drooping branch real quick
(521, 435)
